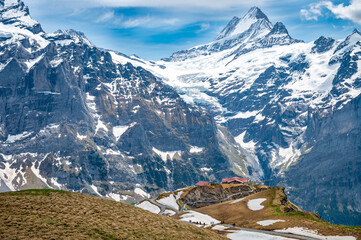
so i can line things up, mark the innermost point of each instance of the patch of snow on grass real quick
(255, 204)
(169, 212)
(248, 235)
(146, 205)
(178, 195)
(269, 222)
(169, 201)
(194, 216)
(313, 234)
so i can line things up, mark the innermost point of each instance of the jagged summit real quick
(16, 13)
(323, 44)
(63, 36)
(255, 12)
(8, 3)
(254, 19)
(253, 31)
(356, 30)
(278, 28)
(71, 32)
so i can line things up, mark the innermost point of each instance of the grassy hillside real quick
(276, 207)
(50, 214)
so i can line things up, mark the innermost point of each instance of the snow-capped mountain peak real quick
(238, 26)
(243, 34)
(14, 13)
(65, 37)
(356, 30)
(8, 3)
(255, 12)
(279, 28)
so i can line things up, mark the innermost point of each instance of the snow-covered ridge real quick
(239, 25)
(15, 13)
(66, 37)
(254, 67)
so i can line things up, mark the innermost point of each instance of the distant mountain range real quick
(254, 102)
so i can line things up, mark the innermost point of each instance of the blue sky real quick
(153, 29)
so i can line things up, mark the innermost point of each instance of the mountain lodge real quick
(202, 183)
(234, 180)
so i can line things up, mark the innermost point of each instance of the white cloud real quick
(350, 12)
(135, 22)
(149, 22)
(105, 17)
(213, 4)
(204, 27)
(204, 4)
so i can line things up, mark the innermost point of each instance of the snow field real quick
(247, 235)
(170, 202)
(313, 234)
(146, 205)
(194, 216)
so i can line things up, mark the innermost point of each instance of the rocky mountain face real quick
(202, 196)
(292, 105)
(253, 102)
(76, 117)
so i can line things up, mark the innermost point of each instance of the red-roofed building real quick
(234, 180)
(202, 183)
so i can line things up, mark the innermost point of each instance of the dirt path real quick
(272, 233)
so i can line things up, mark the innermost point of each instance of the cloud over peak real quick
(347, 12)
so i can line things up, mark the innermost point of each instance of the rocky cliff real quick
(73, 117)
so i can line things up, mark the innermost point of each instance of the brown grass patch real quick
(48, 214)
(240, 215)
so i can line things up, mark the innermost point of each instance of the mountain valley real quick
(253, 103)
